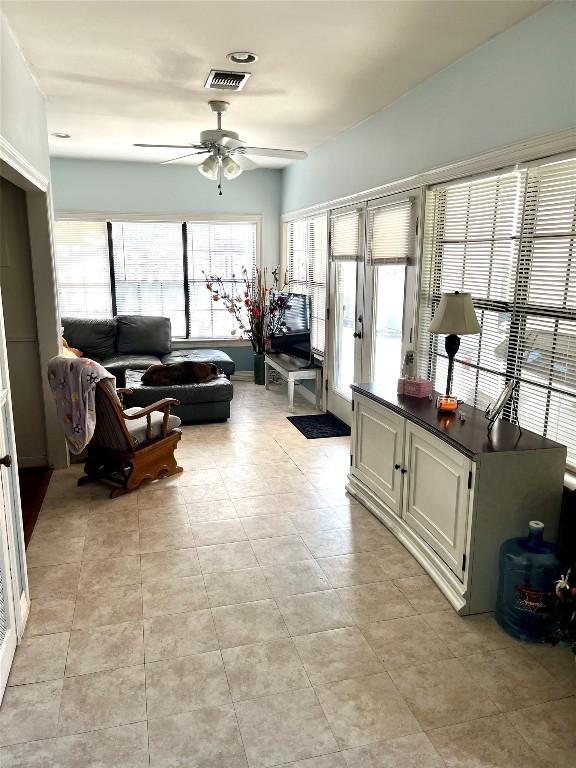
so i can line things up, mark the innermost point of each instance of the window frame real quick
(126, 216)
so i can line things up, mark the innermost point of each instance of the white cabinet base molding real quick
(449, 491)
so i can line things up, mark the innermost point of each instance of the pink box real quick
(414, 387)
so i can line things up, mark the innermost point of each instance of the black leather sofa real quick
(133, 343)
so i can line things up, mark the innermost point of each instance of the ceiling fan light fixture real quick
(209, 168)
(242, 57)
(231, 168)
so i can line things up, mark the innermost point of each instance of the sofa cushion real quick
(141, 334)
(119, 363)
(217, 390)
(137, 427)
(222, 361)
(94, 337)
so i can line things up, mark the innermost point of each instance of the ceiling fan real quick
(227, 152)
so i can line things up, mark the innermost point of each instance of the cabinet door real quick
(436, 495)
(378, 449)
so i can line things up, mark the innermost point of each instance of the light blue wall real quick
(519, 85)
(121, 187)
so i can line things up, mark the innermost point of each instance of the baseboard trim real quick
(24, 613)
(27, 462)
(242, 376)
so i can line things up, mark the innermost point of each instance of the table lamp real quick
(455, 317)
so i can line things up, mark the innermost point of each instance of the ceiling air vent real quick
(222, 80)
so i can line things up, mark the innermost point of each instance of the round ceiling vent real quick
(242, 57)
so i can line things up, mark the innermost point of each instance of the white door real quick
(436, 495)
(378, 450)
(9, 598)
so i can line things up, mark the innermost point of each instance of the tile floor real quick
(249, 613)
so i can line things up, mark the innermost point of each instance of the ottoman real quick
(198, 402)
(223, 361)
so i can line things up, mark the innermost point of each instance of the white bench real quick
(292, 370)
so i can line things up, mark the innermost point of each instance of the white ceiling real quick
(120, 72)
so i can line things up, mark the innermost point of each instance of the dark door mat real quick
(325, 425)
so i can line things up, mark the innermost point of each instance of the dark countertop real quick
(471, 436)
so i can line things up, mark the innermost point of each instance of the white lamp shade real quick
(231, 168)
(209, 168)
(456, 315)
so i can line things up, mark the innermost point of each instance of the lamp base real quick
(447, 404)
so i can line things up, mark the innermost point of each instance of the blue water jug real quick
(528, 569)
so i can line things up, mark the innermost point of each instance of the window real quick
(307, 271)
(83, 269)
(105, 268)
(510, 240)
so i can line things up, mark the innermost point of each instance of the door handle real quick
(403, 471)
(6, 460)
(357, 335)
(396, 466)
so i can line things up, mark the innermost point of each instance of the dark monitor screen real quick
(294, 336)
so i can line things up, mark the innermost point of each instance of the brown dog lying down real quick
(187, 372)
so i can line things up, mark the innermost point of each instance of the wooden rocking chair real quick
(131, 446)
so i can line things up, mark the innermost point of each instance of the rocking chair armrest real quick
(124, 391)
(160, 405)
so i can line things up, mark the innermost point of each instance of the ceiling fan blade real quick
(172, 146)
(181, 157)
(244, 162)
(287, 154)
(230, 143)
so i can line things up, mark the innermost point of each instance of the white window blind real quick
(217, 248)
(510, 241)
(149, 271)
(307, 260)
(82, 268)
(390, 231)
(345, 239)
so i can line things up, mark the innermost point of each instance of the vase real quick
(259, 368)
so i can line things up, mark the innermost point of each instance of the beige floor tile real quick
(344, 541)
(179, 634)
(165, 517)
(558, 660)
(253, 506)
(102, 546)
(491, 741)
(513, 679)
(194, 494)
(284, 728)
(102, 700)
(200, 477)
(442, 693)
(248, 623)
(332, 760)
(550, 729)
(233, 587)
(159, 498)
(125, 746)
(50, 615)
(375, 602)
(280, 549)
(227, 557)
(67, 526)
(295, 578)
(266, 526)
(218, 532)
(104, 648)
(111, 605)
(294, 502)
(112, 521)
(164, 539)
(114, 572)
(30, 712)
(465, 635)
(365, 709)
(183, 684)
(128, 502)
(204, 738)
(211, 510)
(52, 549)
(338, 654)
(173, 564)
(423, 594)
(405, 642)
(314, 612)
(173, 596)
(414, 751)
(39, 658)
(54, 581)
(355, 569)
(264, 669)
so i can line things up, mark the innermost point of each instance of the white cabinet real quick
(436, 495)
(448, 490)
(379, 440)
